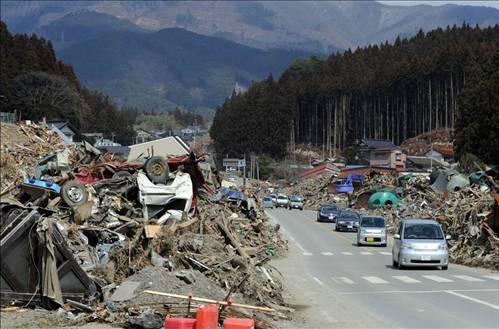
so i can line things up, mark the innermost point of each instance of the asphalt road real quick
(335, 284)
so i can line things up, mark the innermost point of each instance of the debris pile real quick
(21, 146)
(465, 206)
(105, 231)
(463, 214)
(316, 191)
(421, 144)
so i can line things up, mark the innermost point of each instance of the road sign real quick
(237, 163)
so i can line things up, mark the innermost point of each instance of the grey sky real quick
(494, 3)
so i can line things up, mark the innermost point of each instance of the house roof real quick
(366, 171)
(61, 124)
(323, 168)
(378, 143)
(446, 151)
(426, 161)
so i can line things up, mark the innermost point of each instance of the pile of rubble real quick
(421, 144)
(19, 149)
(94, 234)
(465, 214)
(317, 191)
(467, 208)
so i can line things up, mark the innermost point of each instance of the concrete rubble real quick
(90, 226)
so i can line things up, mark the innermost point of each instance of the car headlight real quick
(405, 246)
(442, 246)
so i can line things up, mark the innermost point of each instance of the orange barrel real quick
(179, 323)
(207, 317)
(236, 323)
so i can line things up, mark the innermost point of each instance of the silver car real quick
(296, 202)
(282, 201)
(420, 242)
(267, 202)
(372, 231)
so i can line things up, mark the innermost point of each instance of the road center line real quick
(479, 301)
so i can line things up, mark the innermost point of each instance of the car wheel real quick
(444, 268)
(301, 209)
(157, 170)
(395, 264)
(383, 245)
(359, 244)
(401, 267)
(74, 193)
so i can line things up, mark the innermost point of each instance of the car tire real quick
(383, 245)
(301, 209)
(395, 264)
(445, 268)
(157, 170)
(359, 244)
(74, 193)
(399, 263)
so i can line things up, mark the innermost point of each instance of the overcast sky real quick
(494, 3)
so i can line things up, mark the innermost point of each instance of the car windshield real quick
(329, 209)
(282, 197)
(349, 216)
(372, 222)
(423, 232)
(267, 199)
(295, 199)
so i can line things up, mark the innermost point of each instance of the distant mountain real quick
(83, 25)
(312, 25)
(160, 70)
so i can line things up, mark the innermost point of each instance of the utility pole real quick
(257, 170)
(244, 172)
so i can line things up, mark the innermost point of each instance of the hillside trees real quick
(387, 91)
(35, 84)
(39, 95)
(477, 122)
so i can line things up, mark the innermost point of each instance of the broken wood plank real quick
(211, 301)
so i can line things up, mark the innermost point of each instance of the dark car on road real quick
(328, 213)
(347, 221)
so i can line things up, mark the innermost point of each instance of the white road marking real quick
(385, 253)
(374, 279)
(303, 250)
(413, 291)
(405, 279)
(493, 277)
(346, 280)
(366, 253)
(468, 278)
(479, 301)
(335, 280)
(327, 253)
(346, 253)
(437, 278)
(318, 281)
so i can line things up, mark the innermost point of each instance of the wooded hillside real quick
(35, 84)
(388, 91)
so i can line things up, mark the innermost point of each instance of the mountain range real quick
(311, 25)
(157, 55)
